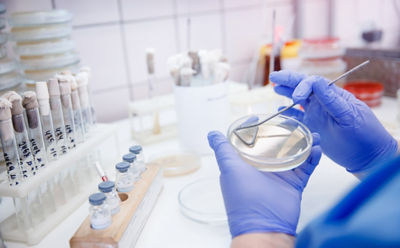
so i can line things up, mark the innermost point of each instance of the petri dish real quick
(53, 46)
(43, 32)
(281, 144)
(9, 80)
(202, 202)
(7, 65)
(43, 75)
(176, 163)
(43, 62)
(34, 18)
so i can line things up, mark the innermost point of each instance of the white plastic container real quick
(200, 110)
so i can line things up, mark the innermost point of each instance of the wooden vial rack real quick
(127, 225)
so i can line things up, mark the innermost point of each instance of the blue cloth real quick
(369, 216)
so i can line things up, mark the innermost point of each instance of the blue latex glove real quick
(351, 135)
(258, 201)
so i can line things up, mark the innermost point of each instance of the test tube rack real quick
(141, 114)
(98, 136)
(126, 225)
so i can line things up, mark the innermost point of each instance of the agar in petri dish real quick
(202, 202)
(176, 163)
(281, 143)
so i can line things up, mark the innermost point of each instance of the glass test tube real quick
(9, 144)
(76, 107)
(68, 114)
(82, 80)
(46, 121)
(26, 160)
(57, 115)
(31, 105)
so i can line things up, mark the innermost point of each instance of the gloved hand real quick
(351, 135)
(258, 201)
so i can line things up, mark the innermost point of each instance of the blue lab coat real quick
(369, 216)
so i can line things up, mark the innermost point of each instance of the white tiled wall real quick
(112, 36)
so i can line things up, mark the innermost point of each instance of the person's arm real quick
(261, 206)
(263, 240)
(351, 135)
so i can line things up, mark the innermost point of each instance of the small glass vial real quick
(125, 179)
(108, 188)
(100, 216)
(133, 169)
(138, 151)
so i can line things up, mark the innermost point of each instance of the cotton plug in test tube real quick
(82, 80)
(9, 145)
(46, 120)
(35, 133)
(57, 114)
(65, 89)
(26, 160)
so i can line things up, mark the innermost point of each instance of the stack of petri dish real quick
(42, 41)
(322, 57)
(9, 77)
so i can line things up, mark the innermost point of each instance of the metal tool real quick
(255, 126)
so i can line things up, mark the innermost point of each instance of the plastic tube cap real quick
(135, 149)
(97, 199)
(122, 166)
(106, 186)
(129, 157)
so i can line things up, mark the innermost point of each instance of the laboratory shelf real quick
(99, 133)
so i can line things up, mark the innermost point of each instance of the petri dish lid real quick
(48, 61)
(3, 38)
(43, 75)
(3, 51)
(7, 65)
(43, 32)
(282, 143)
(34, 18)
(44, 47)
(9, 80)
(176, 163)
(202, 202)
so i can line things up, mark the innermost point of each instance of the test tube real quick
(82, 80)
(26, 160)
(65, 89)
(10, 151)
(46, 120)
(76, 107)
(35, 133)
(88, 72)
(57, 114)
(31, 106)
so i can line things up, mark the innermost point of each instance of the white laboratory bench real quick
(167, 227)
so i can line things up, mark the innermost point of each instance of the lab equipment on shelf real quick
(322, 57)
(128, 223)
(61, 178)
(124, 179)
(100, 214)
(112, 201)
(42, 41)
(138, 151)
(134, 169)
(370, 92)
